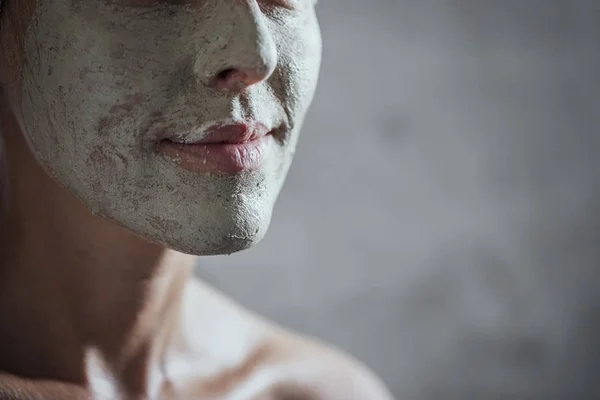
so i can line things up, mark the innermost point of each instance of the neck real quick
(71, 281)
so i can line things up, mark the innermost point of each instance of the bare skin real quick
(90, 310)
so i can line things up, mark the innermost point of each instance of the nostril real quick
(226, 74)
(233, 79)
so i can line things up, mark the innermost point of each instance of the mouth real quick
(229, 149)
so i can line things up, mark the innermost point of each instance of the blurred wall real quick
(442, 220)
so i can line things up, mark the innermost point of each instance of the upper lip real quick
(226, 133)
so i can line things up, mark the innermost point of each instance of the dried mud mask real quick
(95, 106)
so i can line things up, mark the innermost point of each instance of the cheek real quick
(89, 95)
(299, 65)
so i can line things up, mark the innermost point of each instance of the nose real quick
(244, 55)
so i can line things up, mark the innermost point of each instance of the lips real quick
(224, 148)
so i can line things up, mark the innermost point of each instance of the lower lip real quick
(223, 158)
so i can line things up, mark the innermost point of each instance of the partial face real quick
(176, 119)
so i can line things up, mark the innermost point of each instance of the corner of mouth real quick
(281, 133)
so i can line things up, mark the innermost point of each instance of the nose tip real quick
(235, 79)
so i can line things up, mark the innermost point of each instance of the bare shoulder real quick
(320, 372)
(266, 362)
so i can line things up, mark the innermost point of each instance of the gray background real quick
(441, 221)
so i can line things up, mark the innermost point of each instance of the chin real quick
(223, 244)
(210, 222)
(207, 234)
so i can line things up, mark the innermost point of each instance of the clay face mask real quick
(120, 98)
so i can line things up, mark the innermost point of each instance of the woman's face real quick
(176, 119)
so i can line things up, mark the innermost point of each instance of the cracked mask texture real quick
(100, 82)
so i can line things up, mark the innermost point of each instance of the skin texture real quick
(97, 298)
